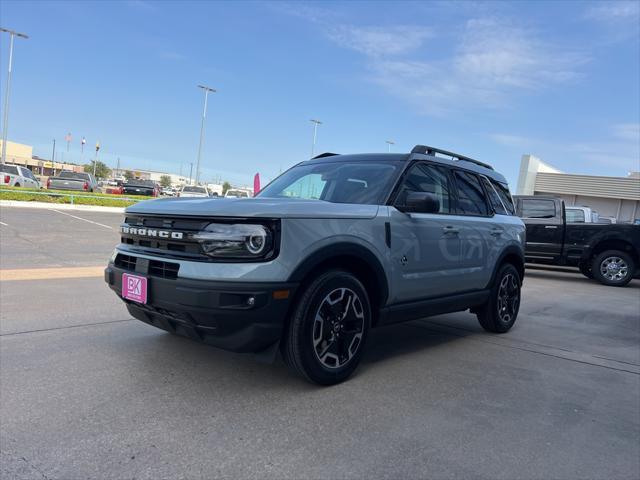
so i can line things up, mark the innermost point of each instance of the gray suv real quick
(334, 246)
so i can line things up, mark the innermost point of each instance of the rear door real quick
(544, 220)
(481, 236)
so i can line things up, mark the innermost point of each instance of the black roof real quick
(421, 152)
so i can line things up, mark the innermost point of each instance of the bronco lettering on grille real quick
(151, 232)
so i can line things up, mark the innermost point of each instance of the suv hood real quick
(252, 207)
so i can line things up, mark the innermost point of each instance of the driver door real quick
(425, 247)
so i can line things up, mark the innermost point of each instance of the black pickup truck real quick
(610, 253)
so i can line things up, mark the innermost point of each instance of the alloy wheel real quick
(508, 298)
(338, 328)
(614, 269)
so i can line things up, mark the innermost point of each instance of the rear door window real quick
(471, 198)
(534, 208)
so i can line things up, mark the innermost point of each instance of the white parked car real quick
(17, 176)
(237, 194)
(193, 191)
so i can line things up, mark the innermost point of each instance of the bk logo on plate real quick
(134, 288)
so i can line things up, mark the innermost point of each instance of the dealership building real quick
(617, 197)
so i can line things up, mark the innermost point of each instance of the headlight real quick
(240, 241)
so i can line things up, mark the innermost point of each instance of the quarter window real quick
(533, 208)
(471, 199)
(494, 198)
(505, 196)
(429, 179)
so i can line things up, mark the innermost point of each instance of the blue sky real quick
(560, 80)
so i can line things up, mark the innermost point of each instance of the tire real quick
(613, 268)
(500, 311)
(321, 343)
(585, 269)
(16, 184)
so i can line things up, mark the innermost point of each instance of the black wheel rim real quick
(508, 298)
(338, 327)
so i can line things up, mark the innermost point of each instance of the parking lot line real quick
(19, 274)
(4, 224)
(84, 219)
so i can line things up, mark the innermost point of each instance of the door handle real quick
(450, 230)
(496, 232)
(551, 226)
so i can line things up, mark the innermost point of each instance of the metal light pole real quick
(190, 171)
(315, 134)
(204, 115)
(53, 157)
(389, 143)
(5, 121)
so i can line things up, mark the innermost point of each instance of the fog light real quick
(251, 301)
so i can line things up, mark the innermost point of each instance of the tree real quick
(165, 181)
(102, 171)
(128, 175)
(225, 186)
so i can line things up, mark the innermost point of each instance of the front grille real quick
(154, 268)
(163, 269)
(177, 248)
(126, 262)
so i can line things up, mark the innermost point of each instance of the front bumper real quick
(217, 313)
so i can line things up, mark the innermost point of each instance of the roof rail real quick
(427, 150)
(325, 154)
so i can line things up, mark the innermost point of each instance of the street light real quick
(315, 134)
(5, 121)
(389, 143)
(204, 115)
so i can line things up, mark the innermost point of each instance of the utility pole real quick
(315, 134)
(190, 171)
(389, 143)
(5, 121)
(204, 116)
(95, 162)
(53, 157)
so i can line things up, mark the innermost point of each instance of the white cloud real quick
(614, 11)
(379, 41)
(627, 131)
(509, 140)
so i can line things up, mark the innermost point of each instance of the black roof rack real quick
(325, 154)
(426, 150)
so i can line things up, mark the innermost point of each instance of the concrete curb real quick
(59, 206)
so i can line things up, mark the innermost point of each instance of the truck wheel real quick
(585, 269)
(16, 184)
(328, 328)
(500, 311)
(613, 268)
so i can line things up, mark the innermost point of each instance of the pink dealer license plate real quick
(134, 288)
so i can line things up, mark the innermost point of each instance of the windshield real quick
(194, 189)
(79, 176)
(363, 182)
(12, 169)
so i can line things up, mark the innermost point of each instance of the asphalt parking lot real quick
(88, 392)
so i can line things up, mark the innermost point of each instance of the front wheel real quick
(613, 268)
(500, 311)
(328, 328)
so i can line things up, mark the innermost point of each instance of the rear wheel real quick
(328, 328)
(613, 268)
(500, 311)
(16, 184)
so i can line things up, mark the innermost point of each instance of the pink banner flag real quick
(256, 184)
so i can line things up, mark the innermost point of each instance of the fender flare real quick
(509, 250)
(342, 249)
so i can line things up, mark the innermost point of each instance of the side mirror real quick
(421, 202)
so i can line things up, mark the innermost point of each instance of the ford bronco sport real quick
(334, 246)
